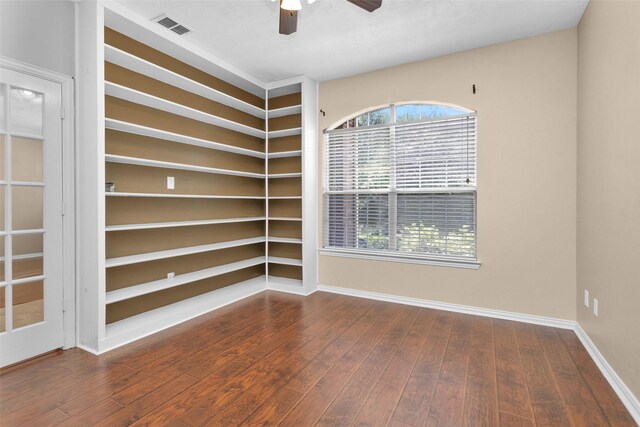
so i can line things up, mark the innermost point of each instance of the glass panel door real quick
(30, 216)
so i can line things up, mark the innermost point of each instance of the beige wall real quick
(526, 103)
(608, 181)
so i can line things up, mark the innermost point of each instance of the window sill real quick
(377, 256)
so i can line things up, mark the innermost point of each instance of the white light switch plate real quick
(586, 298)
(171, 183)
(595, 306)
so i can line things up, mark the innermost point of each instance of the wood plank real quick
(513, 394)
(481, 403)
(196, 399)
(347, 404)
(415, 402)
(509, 420)
(448, 399)
(381, 403)
(279, 368)
(311, 407)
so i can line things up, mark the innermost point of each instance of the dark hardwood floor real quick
(321, 360)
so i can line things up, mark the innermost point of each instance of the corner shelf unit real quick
(237, 216)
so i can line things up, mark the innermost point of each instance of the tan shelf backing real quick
(135, 274)
(119, 109)
(131, 307)
(287, 271)
(285, 208)
(121, 210)
(285, 250)
(141, 179)
(147, 53)
(122, 76)
(285, 165)
(285, 229)
(285, 143)
(124, 243)
(285, 187)
(285, 122)
(127, 144)
(285, 101)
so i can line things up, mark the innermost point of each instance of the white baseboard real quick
(457, 308)
(624, 393)
(87, 349)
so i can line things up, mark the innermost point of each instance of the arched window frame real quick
(455, 196)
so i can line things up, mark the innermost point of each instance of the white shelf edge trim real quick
(285, 175)
(284, 240)
(282, 154)
(183, 279)
(135, 129)
(144, 324)
(285, 111)
(151, 101)
(146, 226)
(625, 394)
(113, 158)
(180, 196)
(131, 62)
(153, 256)
(284, 218)
(285, 132)
(285, 261)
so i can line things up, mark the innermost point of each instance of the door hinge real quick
(62, 111)
(62, 210)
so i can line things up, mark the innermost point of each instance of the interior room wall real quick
(51, 46)
(608, 184)
(526, 103)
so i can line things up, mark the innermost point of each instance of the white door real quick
(30, 216)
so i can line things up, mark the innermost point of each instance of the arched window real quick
(401, 180)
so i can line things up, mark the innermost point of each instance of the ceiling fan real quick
(289, 12)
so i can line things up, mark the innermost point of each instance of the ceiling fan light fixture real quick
(291, 5)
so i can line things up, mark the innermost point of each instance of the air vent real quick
(172, 25)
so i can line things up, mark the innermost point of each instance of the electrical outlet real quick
(586, 298)
(171, 275)
(171, 183)
(595, 306)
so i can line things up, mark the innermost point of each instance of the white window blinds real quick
(403, 188)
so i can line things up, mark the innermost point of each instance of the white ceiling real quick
(336, 39)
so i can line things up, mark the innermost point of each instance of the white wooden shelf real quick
(284, 261)
(113, 158)
(149, 69)
(284, 218)
(285, 175)
(137, 97)
(281, 154)
(183, 279)
(285, 132)
(285, 197)
(143, 324)
(283, 281)
(122, 126)
(146, 226)
(180, 196)
(153, 256)
(284, 240)
(285, 111)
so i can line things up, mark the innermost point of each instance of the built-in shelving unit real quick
(210, 203)
(284, 163)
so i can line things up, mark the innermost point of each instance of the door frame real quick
(69, 300)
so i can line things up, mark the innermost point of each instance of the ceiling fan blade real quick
(368, 5)
(288, 21)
